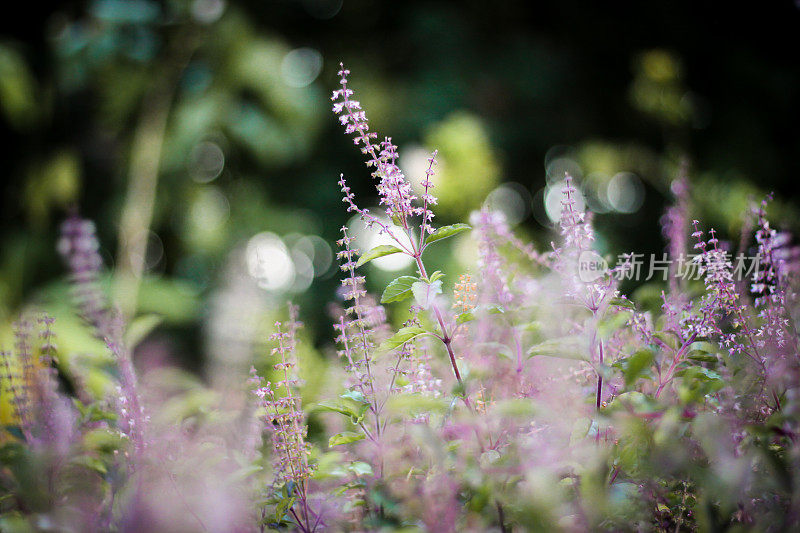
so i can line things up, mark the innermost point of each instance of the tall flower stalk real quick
(284, 416)
(79, 247)
(401, 206)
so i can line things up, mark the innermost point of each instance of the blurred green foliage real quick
(250, 144)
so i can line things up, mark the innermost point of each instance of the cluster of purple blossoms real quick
(283, 409)
(354, 329)
(769, 286)
(490, 228)
(576, 230)
(79, 247)
(44, 416)
(394, 190)
(675, 229)
(721, 302)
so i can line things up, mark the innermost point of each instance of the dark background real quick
(636, 86)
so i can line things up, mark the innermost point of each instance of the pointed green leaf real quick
(464, 317)
(360, 468)
(378, 251)
(402, 337)
(436, 275)
(446, 231)
(345, 437)
(399, 289)
(355, 395)
(352, 411)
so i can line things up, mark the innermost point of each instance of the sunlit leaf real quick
(378, 251)
(402, 337)
(447, 231)
(436, 275)
(345, 437)
(464, 317)
(399, 289)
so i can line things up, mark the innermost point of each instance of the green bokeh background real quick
(501, 89)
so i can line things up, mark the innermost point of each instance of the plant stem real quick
(145, 160)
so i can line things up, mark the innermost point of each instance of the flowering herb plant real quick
(529, 395)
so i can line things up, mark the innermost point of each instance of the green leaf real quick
(399, 289)
(635, 365)
(701, 374)
(378, 251)
(633, 402)
(402, 337)
(355, 395)
(425, 293)
(436, 275)
(91, 463)
(612, 323)
(446, 231)
(465, 317)
(669, 338)
(564, 348)
(354, 412)
(345, 437)
(703, 358)
(139, 328)
(412, 404)
(282, 507)
(580, 429)
(360, 468)
(16, 432)
(703, 351)
(622, 302)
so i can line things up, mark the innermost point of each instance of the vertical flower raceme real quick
(396, 195)
(79, 247)
(576, 230)
(490, 228)
(675, 228)
(675, 224)
(577, 236)
(594, 292)
(464, 294)
(46, 384)
(17, 391)
(770, 284)
(46, 418)
(284, 411)
(722, 301)
(775, 336)
(428, 199)
(284, 416)
(27, 372)
(354, 326)
(394, 190)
